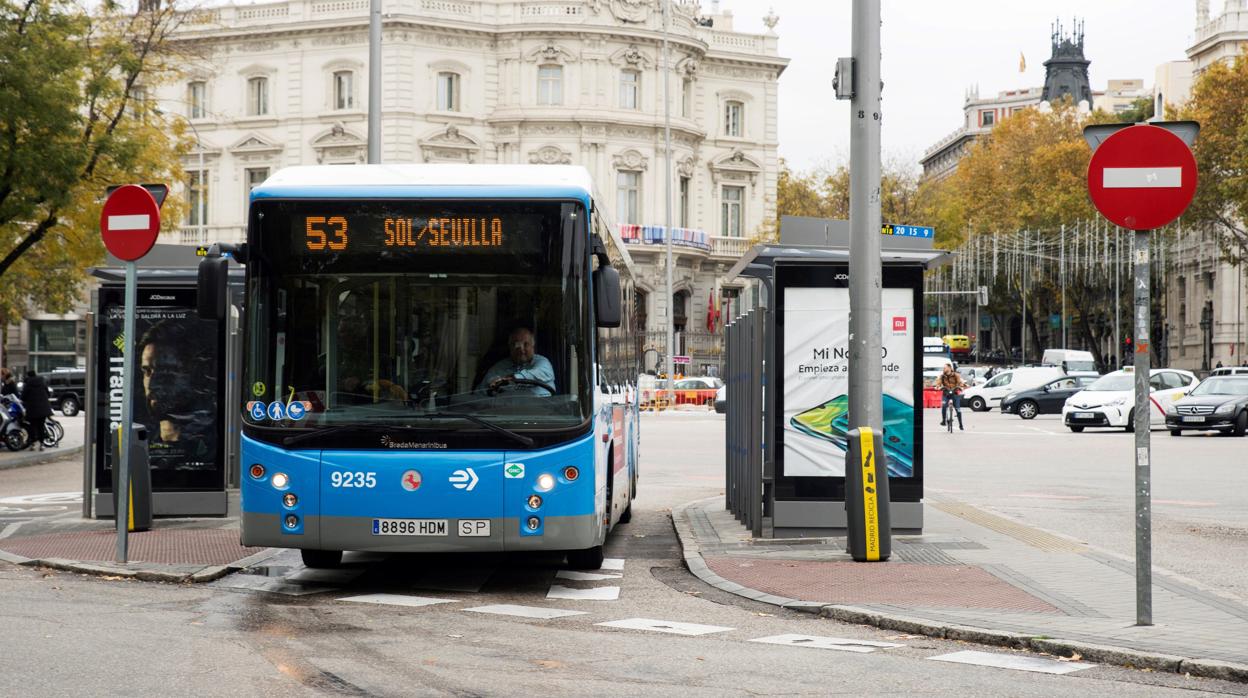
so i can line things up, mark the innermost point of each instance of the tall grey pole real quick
(1062, 273)
(1143, 419)
(374, 82)
(121, 482)
(667, 205)
(1023, 327)
(865, 346)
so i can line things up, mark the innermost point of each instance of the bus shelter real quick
(785, 473)
(183, 392)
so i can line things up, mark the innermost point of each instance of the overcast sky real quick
(933, 50)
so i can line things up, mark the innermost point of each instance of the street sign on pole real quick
(1142, 177)
(129, 224)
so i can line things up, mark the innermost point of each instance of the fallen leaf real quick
(1074, 657)
(548, 663)
(766, 615)
(701, 659)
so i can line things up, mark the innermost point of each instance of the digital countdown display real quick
(315, 233)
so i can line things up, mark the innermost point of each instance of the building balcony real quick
(204, 235)
(639, 237)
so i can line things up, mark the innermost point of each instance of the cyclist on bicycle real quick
(951, 385)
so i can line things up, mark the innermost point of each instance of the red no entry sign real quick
(130, 222)
(1142, 177)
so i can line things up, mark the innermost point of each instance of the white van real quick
(1069, 360)
(933, 366)
(935, 346)
(982, 398)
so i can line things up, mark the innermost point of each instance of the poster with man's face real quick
(176, 387)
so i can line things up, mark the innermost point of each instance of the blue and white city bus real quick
(437, 358)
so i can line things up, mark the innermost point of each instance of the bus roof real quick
(448, 181)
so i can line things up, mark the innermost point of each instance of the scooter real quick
(12, 430)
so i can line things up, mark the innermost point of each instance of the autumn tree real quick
(1221, 150)
(824, 193)
(73, 120)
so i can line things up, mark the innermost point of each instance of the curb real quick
(166, 573)
(25, 460)
(1103, 654)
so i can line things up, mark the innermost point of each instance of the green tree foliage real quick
(824, 193)
(1218, 102)
(72, 122)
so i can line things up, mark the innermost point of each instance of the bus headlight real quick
(290, 500)
(535, 501)
(545, 482)
(280, 480)
(292, 521)
(534, 523)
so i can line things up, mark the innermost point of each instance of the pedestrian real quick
(8, 385)
(1219, 365)
(38, 406)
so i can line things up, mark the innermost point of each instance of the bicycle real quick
(53, 432)
(948, 410)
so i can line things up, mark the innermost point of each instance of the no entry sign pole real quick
(129, 224)
(1142, 177)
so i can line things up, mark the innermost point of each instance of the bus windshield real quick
(410, 313)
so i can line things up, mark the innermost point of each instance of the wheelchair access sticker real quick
(256, 410)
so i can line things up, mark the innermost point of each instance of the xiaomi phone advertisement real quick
(816, 381)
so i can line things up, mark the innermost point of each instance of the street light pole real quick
(667, 203)
(865, 276)
(374, 82)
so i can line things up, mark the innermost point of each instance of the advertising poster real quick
(175, 389)
(816, 381)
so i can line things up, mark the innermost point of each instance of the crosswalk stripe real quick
(665, 626)
(558, 591)
(397, 600)
(612, 563)
(826, 643)
(584, 576)
(506, 609)
(1012, 661)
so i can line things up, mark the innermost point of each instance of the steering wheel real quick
(498, 385)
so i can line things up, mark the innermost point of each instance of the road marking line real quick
(612, 563)
(584, 576)
(558, 591)
(507, 609)
(1012, 661)
(665, 626)
(1037, 495)
(397, 600)
(1185, 503)
(826, 643)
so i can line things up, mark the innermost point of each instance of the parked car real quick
(1230, 371)
(974, 375)
(982, 398)
(933, 366)
(1110, 401)
(1219, 402)
(721, 399)
(1072, 361)
(1046, 399)
(699, 383)
(69, 390)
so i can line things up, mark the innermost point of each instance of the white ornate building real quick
(501, 81)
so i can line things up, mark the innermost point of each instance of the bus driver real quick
(521, 364)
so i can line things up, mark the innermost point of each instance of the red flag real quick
(710, 311)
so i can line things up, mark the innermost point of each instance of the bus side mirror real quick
(607, 296)
(211, 297)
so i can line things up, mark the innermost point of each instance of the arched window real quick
(734, 118)
(448, 91)
(257, 96)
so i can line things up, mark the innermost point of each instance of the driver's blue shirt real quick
(537, 369)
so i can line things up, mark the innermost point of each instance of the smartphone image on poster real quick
(898, 435)
(819, 421)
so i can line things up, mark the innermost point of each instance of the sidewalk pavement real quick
(181, 550)
(980, 577)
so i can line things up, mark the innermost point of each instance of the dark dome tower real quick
(1066, 72)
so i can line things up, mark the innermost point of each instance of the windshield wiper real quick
(528, 442)
(326, 431)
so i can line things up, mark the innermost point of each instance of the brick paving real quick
(900, 583)
(974, 569)
(163, 546)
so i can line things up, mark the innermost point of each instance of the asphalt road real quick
(1082, 485)
(263, 633)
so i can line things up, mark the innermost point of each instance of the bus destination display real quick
(375, 234)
